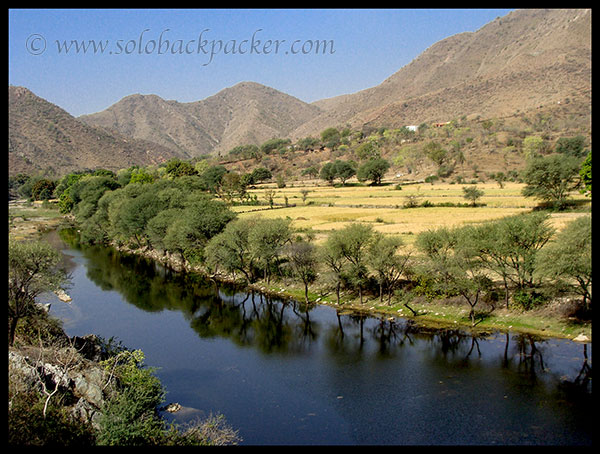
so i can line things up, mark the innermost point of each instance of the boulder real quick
(88, 385)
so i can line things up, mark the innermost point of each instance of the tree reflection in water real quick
(252, 319)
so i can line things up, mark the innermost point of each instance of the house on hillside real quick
(439, 125)
(413, 128)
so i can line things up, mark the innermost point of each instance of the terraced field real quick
(327, 208)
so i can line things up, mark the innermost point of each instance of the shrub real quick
(528, 299)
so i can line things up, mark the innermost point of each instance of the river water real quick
(284, 376)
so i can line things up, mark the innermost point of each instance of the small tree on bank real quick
(454, 266)
(387, 263)
(302, 259)
(352, 242)
(32, 270)
(569, 257)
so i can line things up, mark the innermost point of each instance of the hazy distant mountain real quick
(515, 64)
(518, 62)
(44, 137)
(245, 113)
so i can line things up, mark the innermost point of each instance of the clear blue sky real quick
(168, 52)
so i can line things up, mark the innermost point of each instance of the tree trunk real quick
(12, 330)
(410, 308)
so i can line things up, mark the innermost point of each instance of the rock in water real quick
(62, 295)
(581, 338)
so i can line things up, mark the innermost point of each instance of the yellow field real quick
(507, 197)
(328, 208)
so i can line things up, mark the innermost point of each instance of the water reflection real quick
(274, 326)
(479, 389)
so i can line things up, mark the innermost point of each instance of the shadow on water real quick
(516, 363)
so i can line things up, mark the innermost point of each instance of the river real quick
(282, 375)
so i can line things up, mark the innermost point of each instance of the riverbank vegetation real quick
(510, 253)
(81, 391)
(90, 391)
(389, 246)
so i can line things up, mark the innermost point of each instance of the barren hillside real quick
(44, 137)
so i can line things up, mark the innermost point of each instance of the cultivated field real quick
(328, 208)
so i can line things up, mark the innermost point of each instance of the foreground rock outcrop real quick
(72, 371)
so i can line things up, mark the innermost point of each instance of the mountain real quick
(516, 63)
(44, 137)
(245, 113)
(529, 63)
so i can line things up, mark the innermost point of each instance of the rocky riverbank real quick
(68, 371)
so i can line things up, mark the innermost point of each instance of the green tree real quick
(435, 152)
(43, 189)
(388, 265)
(343, 170)
(533, 146)
(551, 179)
(509, 247)
(141, 176)
(307, 143)
(212, 177)
(328, 172)
(373, 170)
(471, 193)
(274, 145)
(133, 216)
(270, 197)
(266, 238)
(231, 186)
(245, 151)
(523, 236)
(302, 259)
(454, 266)
(569, 257)
(331, 254)
(130, 417)
(201, 219)
(231, 249)
(312, 171)
(585, 173)
(176, 168)
(571, 146)
(353, 242)
(368, 150)
(86, 193)
(33, 268)
(330, 137)
(261, 174)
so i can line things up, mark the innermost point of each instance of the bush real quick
(28, 427)
(528, 299)
(130, 417)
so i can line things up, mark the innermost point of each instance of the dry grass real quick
(388, 195)
(327, 208)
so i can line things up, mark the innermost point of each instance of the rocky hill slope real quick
(245, 113)
(516, 63)
(528, 63)
(44, 137)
